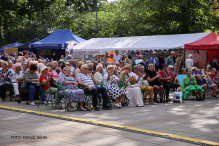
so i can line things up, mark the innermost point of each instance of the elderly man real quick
(189, 62)
(154, 60)
(171, 60)
(68, 56)
(117, 57)
(167, 77)
(86, 79)
(99, 74)
(110, 59)
(140, 61)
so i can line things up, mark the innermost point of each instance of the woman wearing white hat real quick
(47, 81)
(114, 91)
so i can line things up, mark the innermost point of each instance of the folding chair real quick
(60, 95)
(44, 93)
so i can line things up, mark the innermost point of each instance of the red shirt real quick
(166, 75)
(42, 77)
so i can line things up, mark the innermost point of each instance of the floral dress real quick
(114, 90)
(72, 94)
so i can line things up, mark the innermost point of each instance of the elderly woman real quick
(154, 80)
(138, 78)
(189, 86)
(5, 79)
(114, 91)
(91, 66)
(132, 93)
(72, 92)
(50, 71)
(10, 65)
(31, 83)
(55, 67)
(45, 79)
(99, 75)
(17, 77)
(80, 63)
(62, 72)
(141, 69)
(24, 67)
(118, 66)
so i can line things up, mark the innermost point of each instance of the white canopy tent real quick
(156, 42)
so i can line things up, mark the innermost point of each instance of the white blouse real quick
(108, 83)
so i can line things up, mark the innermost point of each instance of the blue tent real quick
(14, 45)
(57, 40)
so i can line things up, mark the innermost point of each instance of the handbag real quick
(53, 82)
(177, 98)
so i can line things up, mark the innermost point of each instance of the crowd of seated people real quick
(101, 80)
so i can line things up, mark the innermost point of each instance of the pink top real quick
(55, 75)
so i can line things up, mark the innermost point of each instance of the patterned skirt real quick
(115, 91)
(74, 95)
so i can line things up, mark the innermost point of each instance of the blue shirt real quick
(72, 70)
(151, 60)
(75, 66)
(170, 61)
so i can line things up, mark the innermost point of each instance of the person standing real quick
(171, 60)
(189, 62)
(161, 60)
(154, 60)
(68, 56)
(117, 57)
(105, 58)
(110, 59)
(54, 57)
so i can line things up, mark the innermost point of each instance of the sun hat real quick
(190, 55)
(170, 66)
(42, 68)
(110, 66)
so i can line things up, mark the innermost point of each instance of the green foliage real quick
(23, 20)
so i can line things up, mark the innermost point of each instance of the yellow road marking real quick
(114, 125)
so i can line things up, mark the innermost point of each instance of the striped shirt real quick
(86, 79)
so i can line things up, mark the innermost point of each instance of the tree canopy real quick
(24, 20)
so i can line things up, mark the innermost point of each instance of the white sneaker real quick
(120, 105)
(49, 102)
(0, 100)
(44, 102)
(117, 105)
(32, 103)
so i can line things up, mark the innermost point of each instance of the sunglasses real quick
(86, 68)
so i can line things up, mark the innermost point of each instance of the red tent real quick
(210, 43)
